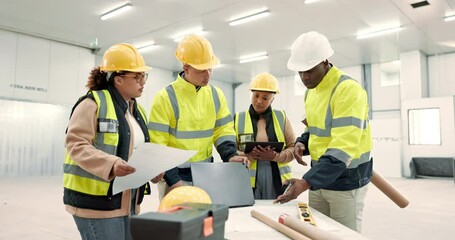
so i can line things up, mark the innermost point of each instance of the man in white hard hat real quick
(338, 134)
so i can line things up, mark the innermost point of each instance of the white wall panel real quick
(157, 80)
(384, 98)
(413, 75)
(85, 64)
(386, 134)
(32, 138)
(442, 75)
(242, 97)
(292, 103)
(32, 69)
(64, 64)
(228, 93)
(354, 72)
(8, 47)
(69, 70)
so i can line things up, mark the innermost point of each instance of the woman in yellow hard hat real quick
(105, 126)
(270, 171)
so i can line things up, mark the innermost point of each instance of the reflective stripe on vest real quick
(106, 139)
(196, 134)
(331, 123)
(243, 125)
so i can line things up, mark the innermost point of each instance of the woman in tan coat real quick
(105, 126)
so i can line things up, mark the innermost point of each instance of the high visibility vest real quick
(185, 118)
(243, 125)
(106, 139)
(344, 134)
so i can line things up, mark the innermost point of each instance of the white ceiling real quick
(77, 22)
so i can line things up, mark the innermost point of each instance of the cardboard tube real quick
(389, 190)
(306, 228)
(278, 226)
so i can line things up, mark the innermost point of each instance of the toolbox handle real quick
(175, 209)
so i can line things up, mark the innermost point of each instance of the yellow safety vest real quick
(243, 125)
(185, 118)
(106, 139)
(345, 133)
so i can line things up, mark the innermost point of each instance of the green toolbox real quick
(187, 221)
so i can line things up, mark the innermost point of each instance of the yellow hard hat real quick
(265, 82)
(308, 50)
(123, 57)
(184, 194)
(196, 51)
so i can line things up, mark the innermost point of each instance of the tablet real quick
(278, 146)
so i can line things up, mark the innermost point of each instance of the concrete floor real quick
(32, 208)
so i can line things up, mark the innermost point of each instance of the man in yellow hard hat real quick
(270, 170)
(338, 136)
(192, 114)
(105, 126)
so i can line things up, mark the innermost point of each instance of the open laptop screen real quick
(226, 183)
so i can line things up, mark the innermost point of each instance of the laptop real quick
(226, 183)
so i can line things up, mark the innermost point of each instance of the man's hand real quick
(298, 153)
(263, 153)
(121, 168)
(158, 178)
(298, 186)
(243, 159)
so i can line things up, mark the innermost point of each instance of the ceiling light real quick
(180, 36)
(378, 33)
(116, 11)
(249, 18)
(146, 47)
(253, 57)
(449, 18)
(310, 1)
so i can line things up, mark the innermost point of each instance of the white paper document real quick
(150, 159)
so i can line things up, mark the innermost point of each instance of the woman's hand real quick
(263, 153)
(121, 168)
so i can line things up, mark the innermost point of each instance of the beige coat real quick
(81, 131)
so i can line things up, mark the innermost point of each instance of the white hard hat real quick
(308, 50)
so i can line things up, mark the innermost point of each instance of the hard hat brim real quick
(299, 67)
(264, 90)
(206, 66)
(293, 66)
(140, 69)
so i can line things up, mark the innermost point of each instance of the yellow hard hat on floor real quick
(184, 194)
(196, 51)
(123, 57)
(265, 82)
